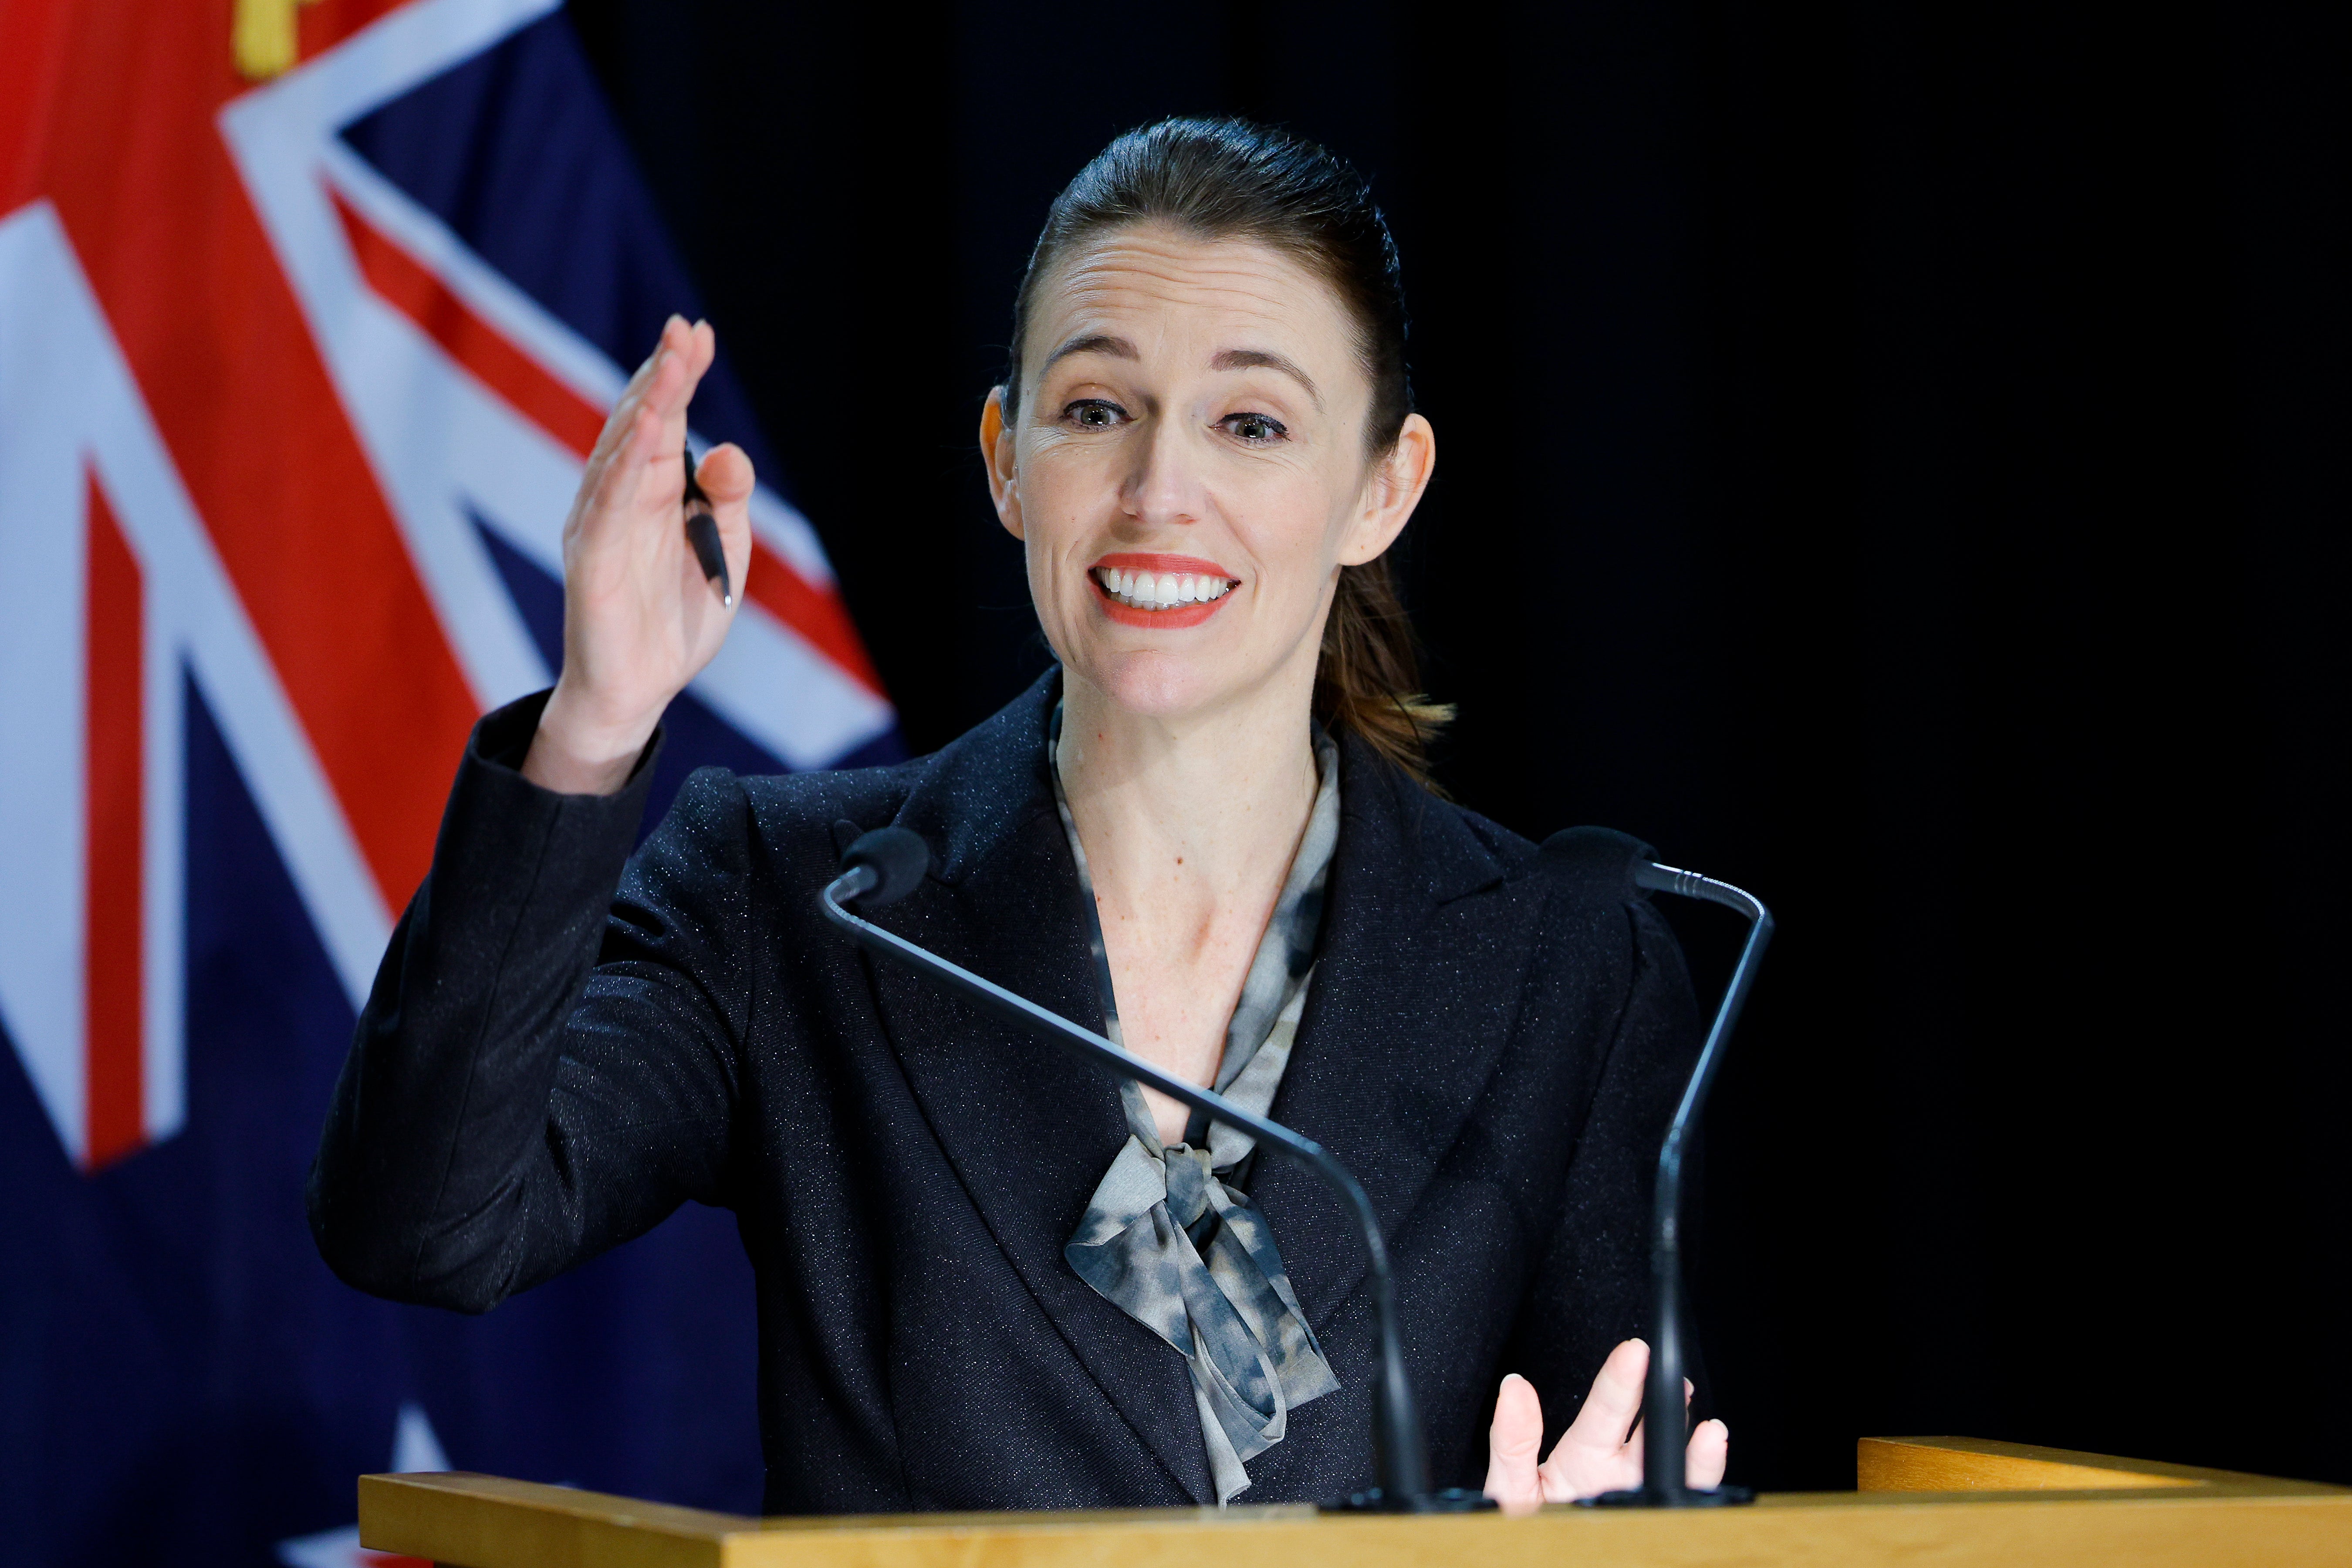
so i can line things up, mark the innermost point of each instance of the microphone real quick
(889, 863)
(1663, 1418)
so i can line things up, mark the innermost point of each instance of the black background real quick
(1893, 458)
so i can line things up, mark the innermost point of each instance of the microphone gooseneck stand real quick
(1664, 1484)
(889, 863)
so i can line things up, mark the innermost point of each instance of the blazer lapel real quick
(1028, 1129)
(1423, 953)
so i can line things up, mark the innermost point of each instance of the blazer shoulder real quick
(1577, 885)
(960, 797)
(721, 821)
(1398, 837)
(1595, 904)
(797, 802)
(1516, 855)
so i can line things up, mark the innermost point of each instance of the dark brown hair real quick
(1228, 179)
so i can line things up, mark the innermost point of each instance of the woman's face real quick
(1188, 469)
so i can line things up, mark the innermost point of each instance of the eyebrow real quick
(1092, 344)
(1230, 359)
(1250, 359)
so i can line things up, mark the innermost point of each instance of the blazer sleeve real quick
(1590, 1290)
(542, 1069)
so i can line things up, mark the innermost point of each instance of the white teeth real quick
(1161, 590)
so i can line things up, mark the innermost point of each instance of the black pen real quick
(702, 533)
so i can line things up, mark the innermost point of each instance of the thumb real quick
(725, 475)
(1512, 1443)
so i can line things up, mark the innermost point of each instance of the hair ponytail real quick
(1368, 678)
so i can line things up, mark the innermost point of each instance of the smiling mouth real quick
(1160, 589)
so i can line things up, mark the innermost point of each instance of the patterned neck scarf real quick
(1170, 1237)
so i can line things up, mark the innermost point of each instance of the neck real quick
(1195, 810)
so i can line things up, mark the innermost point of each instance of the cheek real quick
(1063, 502)
(1292, 528)
(1067, 486)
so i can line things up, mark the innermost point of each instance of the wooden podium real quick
(1941, 1502)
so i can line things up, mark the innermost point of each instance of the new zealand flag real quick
(308, 315)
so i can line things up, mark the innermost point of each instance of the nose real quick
(1165, 484)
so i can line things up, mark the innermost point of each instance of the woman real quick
(986, 1278)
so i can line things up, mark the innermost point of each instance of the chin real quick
(1160, 684)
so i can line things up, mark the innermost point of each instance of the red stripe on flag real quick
(816, 612)
(112, 972)
(407, 286)
(34, 41)
(129, 148)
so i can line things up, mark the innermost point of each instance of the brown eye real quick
(1257, 430)
(1094, 414)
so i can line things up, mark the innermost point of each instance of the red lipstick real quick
(1177, 615)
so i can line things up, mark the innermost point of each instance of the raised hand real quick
(640, 619)
(1602, 1449)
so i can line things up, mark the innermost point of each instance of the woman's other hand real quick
(640, 620)
(1602, 1449)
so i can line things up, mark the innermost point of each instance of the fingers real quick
(632, 469)
(680, 364)
(658, 426)
(675, 339)
(1615, 1401)
(663, 383)
(1703, 1461)
(632, 430)
(1512, 1476)
(1708, 1450)
(1602, 1449)
(686, 354)
(1591, 1455)
(642, 449)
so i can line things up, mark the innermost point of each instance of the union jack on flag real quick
(308, 317)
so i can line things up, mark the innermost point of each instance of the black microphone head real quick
(898, 858)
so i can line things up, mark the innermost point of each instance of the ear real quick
(996, 451)
(1392, 489)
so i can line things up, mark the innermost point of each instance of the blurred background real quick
(1892, 457)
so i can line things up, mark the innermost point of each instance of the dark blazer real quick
(1492, 1044)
